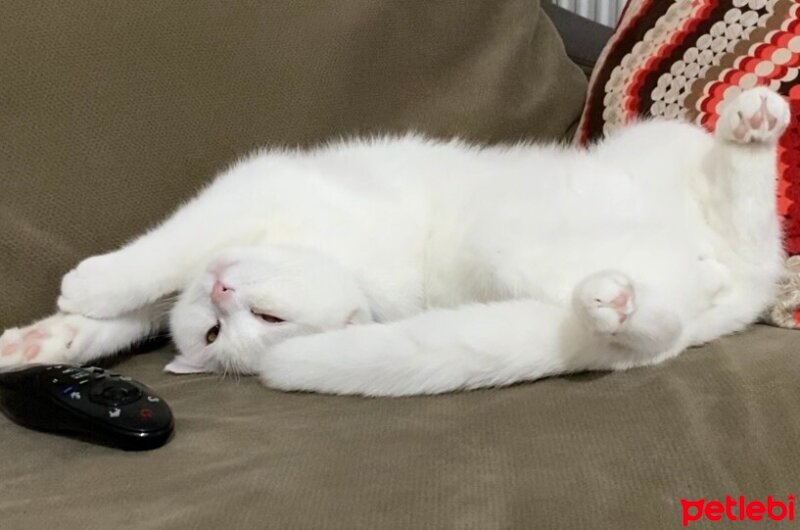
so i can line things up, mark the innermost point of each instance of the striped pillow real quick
(681, 59)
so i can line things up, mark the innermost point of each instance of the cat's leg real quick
(740, 171)
(154, 265)
(740, 206)
(438, 351)
(610, 327)
(72, 338)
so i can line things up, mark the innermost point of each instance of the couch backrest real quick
(113, 112)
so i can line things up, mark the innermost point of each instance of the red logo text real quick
(738, 509)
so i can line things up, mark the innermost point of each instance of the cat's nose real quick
(220, 291)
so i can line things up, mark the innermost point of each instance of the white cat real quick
(399, 266)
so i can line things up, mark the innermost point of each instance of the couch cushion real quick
(111, 113)
(600, 451)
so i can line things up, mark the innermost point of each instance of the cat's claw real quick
(757, 115)
(605, 301)
(48, 341)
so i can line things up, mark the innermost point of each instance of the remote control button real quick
(115, 393)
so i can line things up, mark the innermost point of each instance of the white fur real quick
(408, 266)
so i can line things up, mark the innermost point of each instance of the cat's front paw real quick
(99, 287)
(50, 340)
(757, 115)
(605, 301)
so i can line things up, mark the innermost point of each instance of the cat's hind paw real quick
(757, 115)
(49, 340)
(605, 301)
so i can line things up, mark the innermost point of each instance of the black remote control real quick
(86, 402)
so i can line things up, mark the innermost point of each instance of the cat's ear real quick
(183, 364)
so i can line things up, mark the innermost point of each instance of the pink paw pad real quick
(758, 118)
(760, 123)
(620, 303)
(32, 351)
(755, 122)
(34, 334)
(606, 300)
(741, 130)
(29, 347)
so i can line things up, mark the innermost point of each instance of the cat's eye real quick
(268, 318)
(212, 334)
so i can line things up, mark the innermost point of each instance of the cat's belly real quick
(544, 255)
(550, 273)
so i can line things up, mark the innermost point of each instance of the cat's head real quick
(250, 298)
